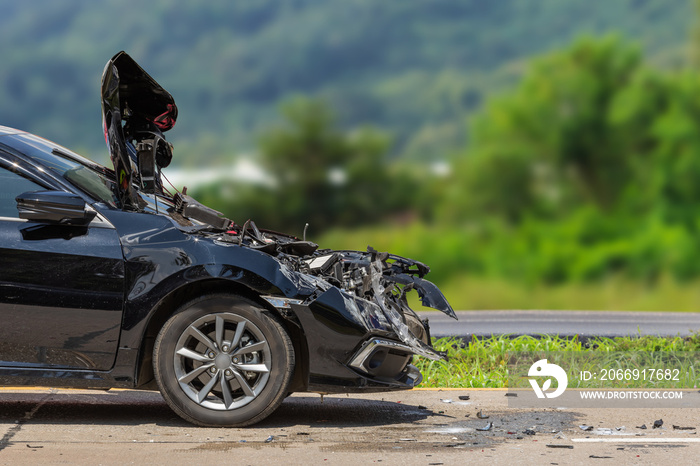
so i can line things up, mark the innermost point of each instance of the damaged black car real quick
(107, 279)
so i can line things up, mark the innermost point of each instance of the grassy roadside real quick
(483, 363)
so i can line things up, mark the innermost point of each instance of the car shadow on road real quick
(343, 411)
(98, 407)
(140, 407)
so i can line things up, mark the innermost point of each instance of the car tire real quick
(223, 360)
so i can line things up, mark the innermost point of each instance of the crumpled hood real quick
(373, 284)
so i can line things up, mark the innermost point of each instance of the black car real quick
(107, 280)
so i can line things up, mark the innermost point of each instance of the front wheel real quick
(223, 360)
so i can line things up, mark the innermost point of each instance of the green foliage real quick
(484, 363)
(585, 172)
(321, 175)
(588, 169)
(549, 145)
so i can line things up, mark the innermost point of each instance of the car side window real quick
(11, 185)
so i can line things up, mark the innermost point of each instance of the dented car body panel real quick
(101, 261)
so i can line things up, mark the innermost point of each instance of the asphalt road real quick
(430, 427)
(563, 323)
(418, 427)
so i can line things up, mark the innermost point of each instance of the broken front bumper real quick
(358, 345)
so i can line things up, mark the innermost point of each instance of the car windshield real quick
(79, 171)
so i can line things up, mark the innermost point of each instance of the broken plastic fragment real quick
(487, 427)
(682, 428)
(481, 415)
(585, 428)
(430, 295)
(658, 423)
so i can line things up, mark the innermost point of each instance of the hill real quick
(414, 68)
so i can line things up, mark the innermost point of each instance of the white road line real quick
(637, 440)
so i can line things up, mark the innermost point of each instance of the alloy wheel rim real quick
(222, 361)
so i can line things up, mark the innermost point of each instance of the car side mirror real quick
(54, 207)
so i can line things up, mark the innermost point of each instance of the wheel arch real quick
(167, 306)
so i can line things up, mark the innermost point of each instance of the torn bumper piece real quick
(430, 295)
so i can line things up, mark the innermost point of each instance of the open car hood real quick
(136, 111)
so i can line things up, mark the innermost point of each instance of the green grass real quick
(488, 363)
(467, 292)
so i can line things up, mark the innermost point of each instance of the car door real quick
(61, 286)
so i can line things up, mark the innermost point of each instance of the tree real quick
(322, 175)
(552, 143)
